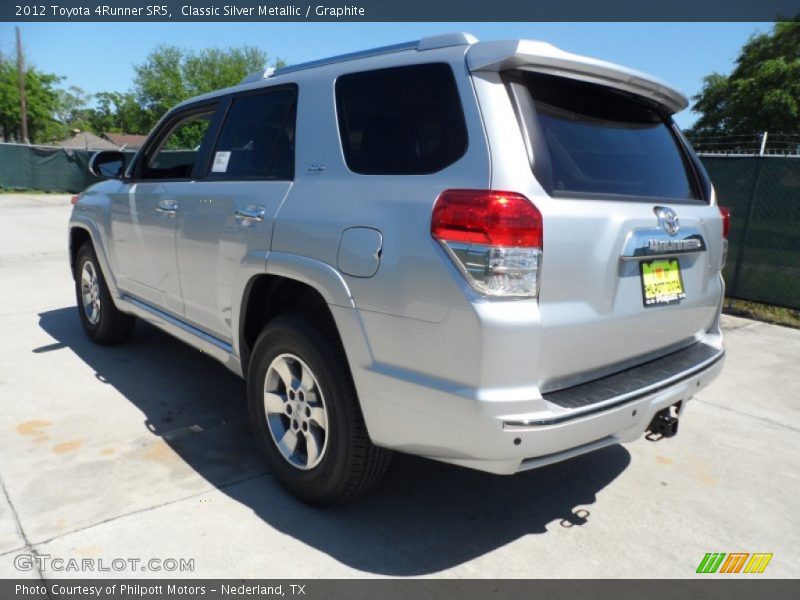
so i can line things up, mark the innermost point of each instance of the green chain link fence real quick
(44, 168)
(763, 194)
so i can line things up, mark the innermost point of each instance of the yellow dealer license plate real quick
(661, 282)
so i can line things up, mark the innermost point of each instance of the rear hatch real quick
(632, 241)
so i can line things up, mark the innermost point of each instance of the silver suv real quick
(495, 254)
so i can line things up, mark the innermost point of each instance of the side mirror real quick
(108, 164)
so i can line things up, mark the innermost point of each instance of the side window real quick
(177, 153)
(257, 139)
(401, 121)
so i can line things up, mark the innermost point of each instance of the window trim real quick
(340, 116)
(227, 102)
(164, 128)
(539, 156)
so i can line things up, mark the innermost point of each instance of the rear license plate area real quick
(661, 281)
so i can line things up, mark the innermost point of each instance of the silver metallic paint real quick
(437, 367)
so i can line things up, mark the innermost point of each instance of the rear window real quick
(400, 121)
(603, 141)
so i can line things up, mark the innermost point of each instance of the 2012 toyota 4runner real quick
(494, 254)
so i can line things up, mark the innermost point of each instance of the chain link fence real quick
(747, 144)
(44, 168)
(763, 193)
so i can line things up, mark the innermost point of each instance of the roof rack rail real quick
(428, 43)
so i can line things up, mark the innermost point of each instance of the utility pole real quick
(23, 108)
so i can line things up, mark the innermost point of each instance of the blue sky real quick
(99, 56)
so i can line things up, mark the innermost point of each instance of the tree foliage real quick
(167, 76)
(72, 109)
(118, 112)
(763, 91)
(170, 75)
(42, 101)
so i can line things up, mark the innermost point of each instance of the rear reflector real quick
(494, 238)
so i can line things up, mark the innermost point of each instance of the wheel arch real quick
(80, 231)
(290, 283)
(78, 236)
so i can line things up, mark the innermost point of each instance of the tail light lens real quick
(726, 220)
(726, 229)
(74, 200)
(494, 238)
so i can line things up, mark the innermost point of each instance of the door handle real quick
(250, 214)
(167, 207)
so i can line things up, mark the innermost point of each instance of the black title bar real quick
(733, 588)
(399, 10)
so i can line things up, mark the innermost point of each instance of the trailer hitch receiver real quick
(663, 425)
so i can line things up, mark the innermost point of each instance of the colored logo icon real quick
(735, 562)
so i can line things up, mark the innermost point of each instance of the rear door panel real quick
(228, 212)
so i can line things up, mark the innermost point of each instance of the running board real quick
(197, 338)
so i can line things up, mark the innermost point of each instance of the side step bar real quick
(214, 347)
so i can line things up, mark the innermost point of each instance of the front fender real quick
(80, 220)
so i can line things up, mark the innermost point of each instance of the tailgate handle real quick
(657, 243)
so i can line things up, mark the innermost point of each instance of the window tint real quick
(401, 121)
(257, 139)
(604, 141)
(178, 152)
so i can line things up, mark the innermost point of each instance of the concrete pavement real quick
(142, 451)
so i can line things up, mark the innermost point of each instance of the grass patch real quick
(762, 312)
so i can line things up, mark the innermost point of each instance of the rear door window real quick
(601, 141)
(401, 121)
(256, 140)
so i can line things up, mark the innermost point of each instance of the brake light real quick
(74, 200)
(726, 220)
(494, 238)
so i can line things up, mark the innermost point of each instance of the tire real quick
(101, 320)
(328, 458)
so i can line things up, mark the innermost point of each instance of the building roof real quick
(87, 141)
(127, 140)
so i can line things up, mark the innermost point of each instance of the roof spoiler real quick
(545, 58)
(433, 42)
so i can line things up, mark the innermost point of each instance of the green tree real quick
(73, 108)
(170, 75)
(42, 103)
(118, 112)
(763, 91)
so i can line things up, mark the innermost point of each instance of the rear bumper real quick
(475, 429)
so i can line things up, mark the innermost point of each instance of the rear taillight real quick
(726, 220)
(726, 229)
(74, 200)
(494, 238)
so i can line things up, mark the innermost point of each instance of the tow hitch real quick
(664, 424)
